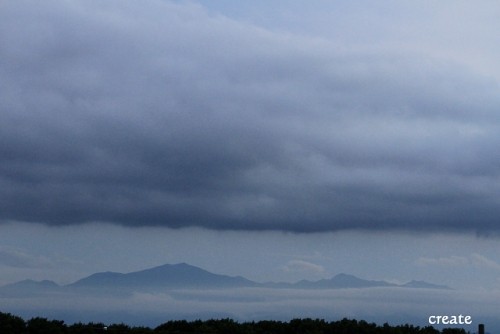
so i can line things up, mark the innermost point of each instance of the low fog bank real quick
(380, 305)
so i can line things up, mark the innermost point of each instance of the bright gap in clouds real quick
(65, 254)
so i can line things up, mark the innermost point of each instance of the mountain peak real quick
(345, 276)
(164, 276)
(184, 275)
(32, 283)
(424, 285)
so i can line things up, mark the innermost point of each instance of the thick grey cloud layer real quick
(159, 113)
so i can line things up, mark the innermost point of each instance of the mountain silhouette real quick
(29, 284)
(185, 276)
(28, 288)
(180, 275)
(424, 285)
(342, 281)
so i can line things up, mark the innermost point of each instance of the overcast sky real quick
(171, 114)
(302, 138)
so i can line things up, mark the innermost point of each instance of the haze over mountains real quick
(185, 276)
(182, 291)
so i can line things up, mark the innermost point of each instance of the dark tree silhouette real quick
(10, 324)
(43, 326)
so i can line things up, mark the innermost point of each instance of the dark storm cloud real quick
(161, 114)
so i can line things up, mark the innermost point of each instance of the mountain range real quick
(185, 276)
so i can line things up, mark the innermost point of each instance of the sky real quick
(278, 140)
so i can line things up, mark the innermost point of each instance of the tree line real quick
(11, 324)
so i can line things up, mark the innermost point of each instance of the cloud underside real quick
(163, 114)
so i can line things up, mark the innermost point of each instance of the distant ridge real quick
(425, 285)
(28, 287)
(28, 283)
(185, 276)
(180, 275)
(341, 281)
